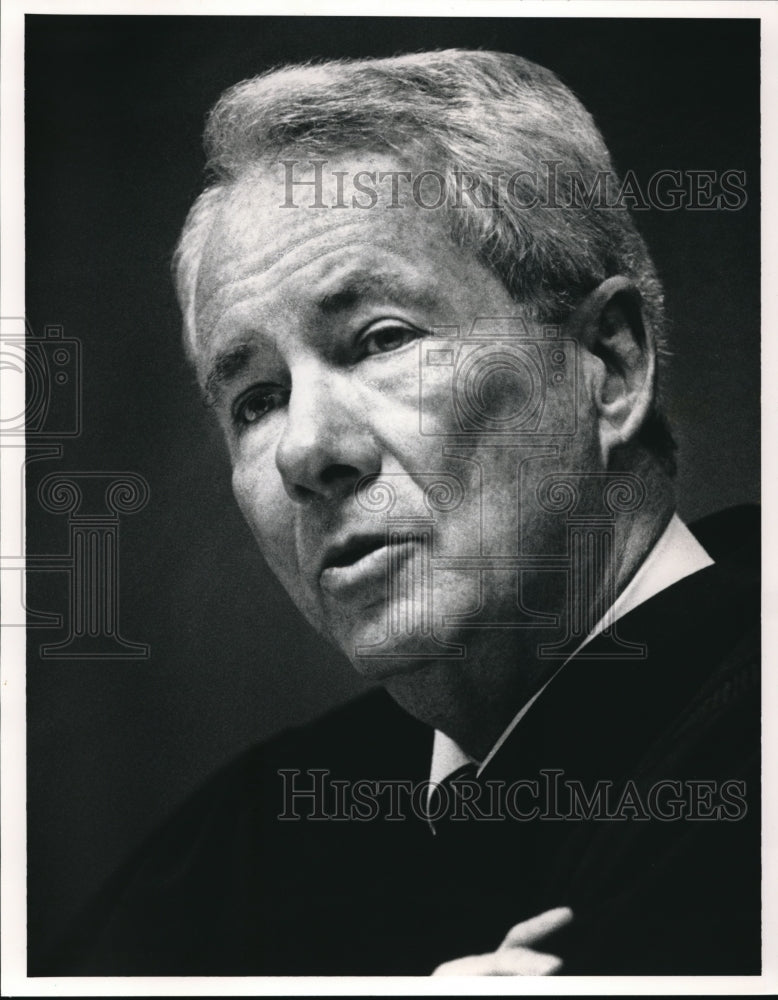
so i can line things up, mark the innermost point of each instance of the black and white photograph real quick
(382, 487)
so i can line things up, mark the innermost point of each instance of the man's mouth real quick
(361, 560)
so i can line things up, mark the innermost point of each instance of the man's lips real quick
(356, 562)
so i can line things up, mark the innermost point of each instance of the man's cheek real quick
(244, 494)
(267, 512)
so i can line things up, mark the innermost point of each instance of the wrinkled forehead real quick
(282, 217)
(252, 230)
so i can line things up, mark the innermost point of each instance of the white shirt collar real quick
(676, 554)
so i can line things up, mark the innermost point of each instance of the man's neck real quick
(473, 702)
(676, 555)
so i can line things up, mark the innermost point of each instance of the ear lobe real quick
(621, 353)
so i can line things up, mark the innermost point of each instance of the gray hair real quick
(489, 116)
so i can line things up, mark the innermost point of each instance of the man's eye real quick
(388, 338)
(257, 403)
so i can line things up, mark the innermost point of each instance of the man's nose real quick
(327, 445)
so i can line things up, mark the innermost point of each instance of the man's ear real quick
(619, 356)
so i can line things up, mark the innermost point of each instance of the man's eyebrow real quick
(226, 366)
(360, 286)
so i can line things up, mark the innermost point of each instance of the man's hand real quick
(515, 957)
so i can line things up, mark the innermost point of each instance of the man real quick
(432, 349)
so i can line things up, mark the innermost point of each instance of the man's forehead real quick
(292, 194)
(257, 238)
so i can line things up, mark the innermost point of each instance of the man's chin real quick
(393, 657)
(379, 650)
(382, 670)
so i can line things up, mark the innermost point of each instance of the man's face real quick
(314, 331)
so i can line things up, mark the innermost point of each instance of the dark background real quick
(114, 110)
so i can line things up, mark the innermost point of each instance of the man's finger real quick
(510, 962)
(525, 962)
(536, 928)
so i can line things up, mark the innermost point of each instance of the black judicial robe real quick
(227, 888)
